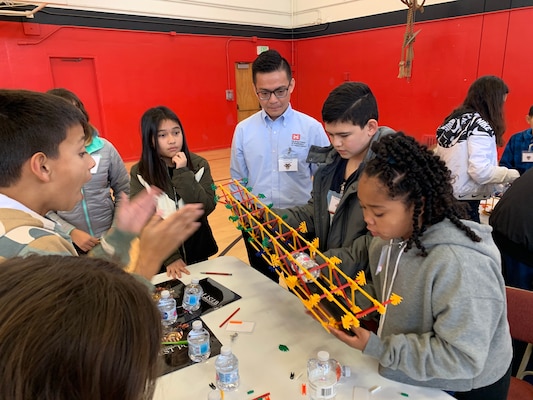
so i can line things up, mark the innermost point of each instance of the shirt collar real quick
(8, 202)
(282, 118)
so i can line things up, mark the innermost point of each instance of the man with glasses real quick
(270, 148)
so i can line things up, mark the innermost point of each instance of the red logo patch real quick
(295, 136)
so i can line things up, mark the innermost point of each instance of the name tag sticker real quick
(333, 203)
(288, 164)
(96, 158)
(527, 156)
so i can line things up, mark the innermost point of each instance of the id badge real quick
(527, 156)
(288, 164)
(333, 203)
(96, 158)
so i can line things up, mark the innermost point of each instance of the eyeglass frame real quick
(273, 92)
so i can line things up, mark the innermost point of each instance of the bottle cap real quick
(195, 280)
(165, 294)
(323, 355)
(197, 324)
(225, 350)
(346, 371)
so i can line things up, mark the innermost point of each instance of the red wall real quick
(190, 73)
(135, 71)
(449, 55)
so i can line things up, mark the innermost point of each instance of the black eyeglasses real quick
(279, 93)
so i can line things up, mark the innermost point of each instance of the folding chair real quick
(519, 314)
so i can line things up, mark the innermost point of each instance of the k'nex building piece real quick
(324, 289)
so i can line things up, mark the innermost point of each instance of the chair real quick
(519, 306)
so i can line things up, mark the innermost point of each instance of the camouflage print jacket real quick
(24, 232)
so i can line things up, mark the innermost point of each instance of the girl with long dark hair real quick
(185, 177)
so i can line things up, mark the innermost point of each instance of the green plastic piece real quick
(282, 347)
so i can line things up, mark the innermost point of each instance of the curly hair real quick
(415, 175)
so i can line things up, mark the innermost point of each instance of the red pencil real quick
(262, 397)
(216, 273)
(227, 319)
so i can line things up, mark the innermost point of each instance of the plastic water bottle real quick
(307, 262)
(198, 342)
(192, 296)
(227, 368)
(323, 374)
(167, 308)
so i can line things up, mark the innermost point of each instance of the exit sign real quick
(261, 49)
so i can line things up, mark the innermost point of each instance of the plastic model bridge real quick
(276, 242)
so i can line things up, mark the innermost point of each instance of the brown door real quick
(79, 76)
(247, 101)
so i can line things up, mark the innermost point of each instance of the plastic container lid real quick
(225, 350)
(197, 324)
(323, 355)
(214, 395)
(165, 294)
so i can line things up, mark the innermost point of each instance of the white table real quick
(279, 319)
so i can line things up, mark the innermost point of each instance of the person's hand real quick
(176, 268)
(83, 240)
(358, 341)
(132, 215)
(180, 160)
(160, 237)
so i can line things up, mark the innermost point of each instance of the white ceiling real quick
(273, 13)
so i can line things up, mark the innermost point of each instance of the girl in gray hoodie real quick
(450, 331)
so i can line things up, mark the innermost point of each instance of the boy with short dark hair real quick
(333, 214)
(43, 166)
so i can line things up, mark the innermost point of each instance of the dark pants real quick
(497, 391)
(520, 275)
(472, 209)
(257, 261)
(516, 273)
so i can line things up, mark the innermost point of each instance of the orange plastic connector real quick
(304, 389)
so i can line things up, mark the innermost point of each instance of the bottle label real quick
(169, 315)
(326, 392)
(227, 377)
(322, 380)
(200, 349)
(191, 299)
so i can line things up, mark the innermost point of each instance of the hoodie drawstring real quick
(386, 293)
